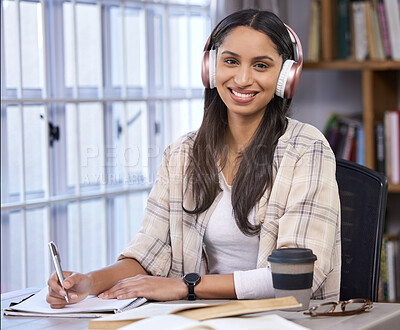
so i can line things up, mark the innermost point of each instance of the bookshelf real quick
(378, 85)
(380, 80)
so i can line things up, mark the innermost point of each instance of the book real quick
(392, 10)
(343, 29)
(391, 271)
(348, 145)
(314, 35)
(384, 275)
(194, 310)
(376, 28)
(175, 322)
(390, 268)
(392, 143)
(380, 147)
(92, 306)
(359, 28)
(384, 29)
(371, 38)
(397, 265)
(360, 156)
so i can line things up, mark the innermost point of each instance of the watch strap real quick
(191, 294)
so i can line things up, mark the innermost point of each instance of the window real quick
(91, 94)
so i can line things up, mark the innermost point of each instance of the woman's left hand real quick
(150, 287)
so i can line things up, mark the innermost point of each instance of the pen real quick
(57, 264)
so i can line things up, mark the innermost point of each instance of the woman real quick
(248, 181)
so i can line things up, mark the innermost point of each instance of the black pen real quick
(57, 264)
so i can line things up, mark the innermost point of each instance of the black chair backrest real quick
(363, 194)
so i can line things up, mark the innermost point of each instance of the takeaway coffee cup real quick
(292, 274)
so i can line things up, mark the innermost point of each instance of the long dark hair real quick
(255, 172)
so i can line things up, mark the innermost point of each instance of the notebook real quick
(92, 306)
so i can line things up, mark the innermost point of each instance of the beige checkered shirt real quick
(301, 210)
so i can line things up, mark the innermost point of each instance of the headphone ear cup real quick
(208, 68)
(205, 75)
(212, 64)
(284, 78)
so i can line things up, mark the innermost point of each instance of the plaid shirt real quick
(302, 209)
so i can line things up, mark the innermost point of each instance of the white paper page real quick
(38, 304)
(149, 310)
(270, 322)
(164, 322)
(175, 322)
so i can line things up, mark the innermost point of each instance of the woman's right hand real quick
(78, 286)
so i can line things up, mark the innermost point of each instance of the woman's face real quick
(248, 67)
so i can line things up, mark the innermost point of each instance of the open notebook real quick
(92, 306)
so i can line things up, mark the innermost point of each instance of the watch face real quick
(192, 277)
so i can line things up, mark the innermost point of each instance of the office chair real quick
(363, 194)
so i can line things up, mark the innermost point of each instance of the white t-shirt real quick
(231, 251)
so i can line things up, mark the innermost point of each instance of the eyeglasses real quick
(349, 307)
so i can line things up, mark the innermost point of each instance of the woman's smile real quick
(242, 96)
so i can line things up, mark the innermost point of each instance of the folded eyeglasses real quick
(349, 307)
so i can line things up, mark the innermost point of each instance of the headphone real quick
(289, 76)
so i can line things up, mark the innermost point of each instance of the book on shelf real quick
(375, 47)
(390, 257)
(383, 291)
(345, 135)
(359, 30)
(376, 31)
(392, 11)
(371, 39)
(343, 29)
(380, 147)
(314, 33)
(389, 289)
(391, 120)
(384, 29)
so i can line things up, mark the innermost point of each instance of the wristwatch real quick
(191, 280)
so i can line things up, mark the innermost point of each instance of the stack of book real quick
(388, 146)
(345, 135)
(367, 29)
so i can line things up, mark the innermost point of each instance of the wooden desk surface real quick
(382, 316)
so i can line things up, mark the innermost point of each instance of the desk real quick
(382, 316)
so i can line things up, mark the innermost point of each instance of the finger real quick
(55, 306)
(118, 288)
(125, 293)
(58, 292)
(56, 302)
(114, 292)
(53, 282)
(70, 279)
(129, 295)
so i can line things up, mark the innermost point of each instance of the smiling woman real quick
(248, 181)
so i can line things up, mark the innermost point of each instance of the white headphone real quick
(289, 76)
